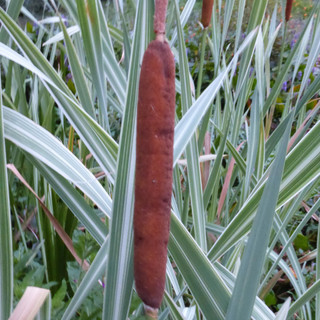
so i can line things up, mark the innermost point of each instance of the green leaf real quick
(75, 202)
(270, 299)
(119, 267)
(206, 285)
(307, 296)
(192, 154)
(92, 43)
(101, 145)
(301, 242)
(6, 254)
(43, 145)
(91, 278)
(283, 312)
(78, 74)
(246, 286)
(301, 167)
(13, 11)
(187, 126)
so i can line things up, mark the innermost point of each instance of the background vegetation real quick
(245, 204)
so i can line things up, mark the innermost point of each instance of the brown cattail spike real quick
(159, 23)
(206, 12)
(288, 9)
(154, 162)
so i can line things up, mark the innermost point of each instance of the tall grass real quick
(246, 159)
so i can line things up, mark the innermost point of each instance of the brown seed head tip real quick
(206, 12)
(288, 9)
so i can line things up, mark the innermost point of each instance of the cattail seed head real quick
(288, 9)
(206, 12)
(153, 180)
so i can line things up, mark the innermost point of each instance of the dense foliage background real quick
(245, 204)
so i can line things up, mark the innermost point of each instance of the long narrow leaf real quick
(44, 146)
(6, 255)
(295, 178)
(91, 278)
(208, 289)
(247, 282)
(194, 177)
(119, 267)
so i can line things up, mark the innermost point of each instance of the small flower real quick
(65, 20)
(251, 71)
(285, 86)
(68, 76)
(299, 75)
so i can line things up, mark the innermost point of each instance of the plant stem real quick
(150, 313)
(203, 49)
(159, 23)
(282, 47)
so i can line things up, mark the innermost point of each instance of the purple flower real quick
(65, 20)
(299, 75)
(35, 27)
(251, 71)
(68, 76)
(285, 86)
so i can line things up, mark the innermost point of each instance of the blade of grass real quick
(260, 310)
(284, 71)
(95, 272)
(101, 145)
(119, 268)
(283, 312)
(91, 35)
(290, 240)
(77, 73)
(187, 126)
(317, 315)
(62, 234)
(13, 11)
(6, 254)
(307, 296)
(207, 287)
(301, 167)
(187, 10)
(247, 282)
(75, 202)
(192, 154)
(174, 310)
(44, 146)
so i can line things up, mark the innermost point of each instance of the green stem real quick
(203, 49)
(318, 274)
(199, 85)
(282, 47)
